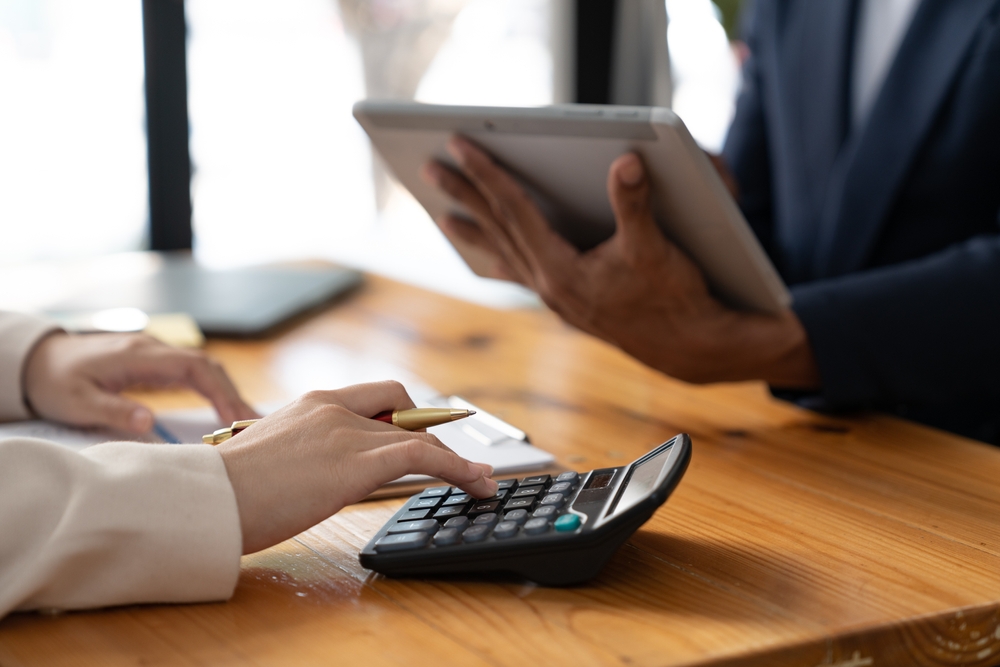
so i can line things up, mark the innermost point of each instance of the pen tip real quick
(471, 412)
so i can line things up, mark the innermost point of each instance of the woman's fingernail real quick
(141, 420)
(480, 470)
(630, 173)
(492, 486)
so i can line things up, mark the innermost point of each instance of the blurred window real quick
(283, 171)
(705, 70)
(72, 140)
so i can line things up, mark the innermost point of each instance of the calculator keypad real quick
(444, 516)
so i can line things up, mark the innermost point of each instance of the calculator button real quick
(447, 537)
(520, 503)
(545, 512)
(501, 493)
(413, 515)
(536, 526)
(505, 529)
(537, 479)
(425, 503)
(527, 491)
(517, 516)
(445, 512)
(402, 542)
(458, 499)
(570, 476)
(506, 483)
(459, 522)
(554, 499)
(561, 487)
(424, 525)
(435, 492)
(485, 519)
(567, 522)
(472, 533)
(481, 508)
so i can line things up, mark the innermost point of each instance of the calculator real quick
(554, 530)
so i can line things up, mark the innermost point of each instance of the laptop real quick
(232, 302)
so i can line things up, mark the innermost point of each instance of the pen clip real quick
(223, 434)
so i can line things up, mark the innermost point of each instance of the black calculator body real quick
(553, 530)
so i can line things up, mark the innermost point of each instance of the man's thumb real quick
(628, 190)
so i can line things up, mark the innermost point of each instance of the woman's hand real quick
(76, 379)
(322, 452)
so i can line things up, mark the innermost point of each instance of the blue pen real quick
(164, 434)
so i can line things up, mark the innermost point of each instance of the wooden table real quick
(794, 539)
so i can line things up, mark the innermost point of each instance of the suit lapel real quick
(874, 162)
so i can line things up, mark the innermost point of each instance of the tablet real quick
(561, 154)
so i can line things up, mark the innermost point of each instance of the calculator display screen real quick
(643, 480)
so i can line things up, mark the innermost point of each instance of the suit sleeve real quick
(117, 523)
(922, 332)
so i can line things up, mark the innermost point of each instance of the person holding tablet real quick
(865, 154)
(128, 522)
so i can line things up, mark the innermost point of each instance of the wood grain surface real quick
(794, 539)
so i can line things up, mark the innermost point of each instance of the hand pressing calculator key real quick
(555, 531)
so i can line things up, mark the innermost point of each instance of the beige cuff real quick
(117, 523)
(18, 336)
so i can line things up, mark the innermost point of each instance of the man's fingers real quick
(628, 190)
(419, 457)
(477, 248)
(457, 187)
(512, 208)
(487, 249)
(471, 197)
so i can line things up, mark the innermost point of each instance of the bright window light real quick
(73, 158)
(283, 171)
(705, 71)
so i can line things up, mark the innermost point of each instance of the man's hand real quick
(637, 290)
(76, 379)
(322, 452)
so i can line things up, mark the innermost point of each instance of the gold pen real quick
(410, 420)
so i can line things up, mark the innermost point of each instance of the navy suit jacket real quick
(889, 234)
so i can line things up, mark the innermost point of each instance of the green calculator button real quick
(567, 522)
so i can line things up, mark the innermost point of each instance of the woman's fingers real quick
(417, 456)
(90, 405)
(208, 378)
(371, 398)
